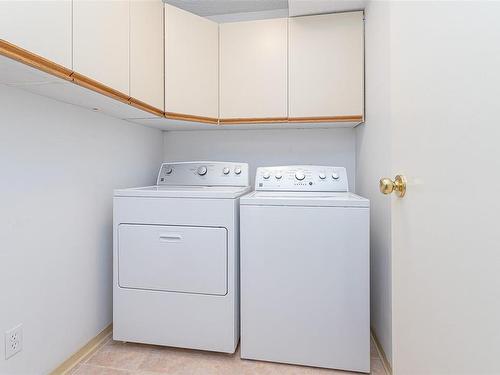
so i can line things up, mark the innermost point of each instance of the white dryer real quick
(305, 282)
(175, 257)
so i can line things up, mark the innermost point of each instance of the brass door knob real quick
(387, 186)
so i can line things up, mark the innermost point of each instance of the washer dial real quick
(299, 175)
(202, 171)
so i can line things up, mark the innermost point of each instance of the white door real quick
(445, 90)
(101, 41)
(146, 52)
(173, 258)
(253, 69)
(41, 27)
(191, 64)
(325, 65)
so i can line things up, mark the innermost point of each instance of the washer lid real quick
(291, 198)
(163, 191)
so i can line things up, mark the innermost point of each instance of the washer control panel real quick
(203, 173)
(302, 178)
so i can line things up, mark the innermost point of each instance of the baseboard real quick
(381, 353)
(88, 349)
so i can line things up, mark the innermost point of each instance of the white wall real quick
(58, 167)
(373, 140)
(266, 147)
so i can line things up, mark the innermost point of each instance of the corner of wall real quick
(373, 161)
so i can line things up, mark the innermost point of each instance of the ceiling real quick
(217, 7)
(304, 7)
(208, 8)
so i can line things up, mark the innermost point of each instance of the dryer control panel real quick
(203, 173)
(302, 178)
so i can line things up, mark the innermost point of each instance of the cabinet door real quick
(326, 65)
(41, 27)
(253, 62)
(101, 41)
(146, 52)
(191, 63)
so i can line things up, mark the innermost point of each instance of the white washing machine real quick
(305, 282)
(176, 257)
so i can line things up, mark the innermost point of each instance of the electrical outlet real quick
(13, 341)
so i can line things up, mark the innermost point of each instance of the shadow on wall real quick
(335, 147)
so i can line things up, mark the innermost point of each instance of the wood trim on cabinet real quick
(35, 61)
(274, 120)
(348, 118)
(31, 59)
(146, 107)
(28, 58)
(194, 118)
(99, 87)
(256, 120)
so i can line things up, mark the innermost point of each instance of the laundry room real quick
(249, 187)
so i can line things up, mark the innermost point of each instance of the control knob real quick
(237, 170)
(299, 175)
(168, 170)
(202, 171)
(278, 175)
(322, 176)
(226, 170)
(266, 175)
(335, 176)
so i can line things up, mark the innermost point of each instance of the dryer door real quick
(173, 258)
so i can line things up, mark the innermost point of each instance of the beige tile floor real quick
(116, 358)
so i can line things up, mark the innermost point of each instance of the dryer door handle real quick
(170, 237)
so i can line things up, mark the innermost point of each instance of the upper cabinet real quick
(191, 64)
(169, 63)
(146, 52)
(41, 27)
(253, 70)
(326, 66)
(101, 41)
